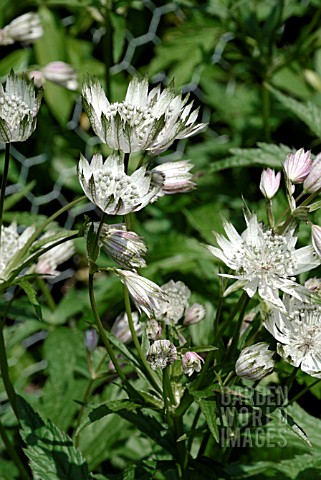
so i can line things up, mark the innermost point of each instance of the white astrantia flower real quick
(298, 333)
(175, 177)
(191, 362)
(177, 298)
(264, 261)
(11, 243)
(121, 330)
(144, 120)
(125, 247)
(48, 262)
(145, 294)
(161, 353)
(26, 28)
(107, 185)
(19, 106)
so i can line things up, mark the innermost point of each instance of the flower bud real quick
(313, 284)
(153, 330)
(61, 73)
(297, 166)
(270, 182)
(312, 183)
(120, 328)
(125, 248)
(91, 339)
(26, 28)
(175, 178)
(194, 314)
(145, 294)
(161, 353)
(316, 239)
(191, 362)
(255, 362)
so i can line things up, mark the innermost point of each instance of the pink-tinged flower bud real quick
(91, 339)
(125, 248)
(191, 362)
(26, 28)
(120, 328)
(145, 294)
(316, 239)
(37, 77)
(255, 362)
(61, 73)
(161, 353)
(270, 182)
(313, 284)
(312, 183)
(153, 330)
(297, 166)
(175, 177)
(194, 314)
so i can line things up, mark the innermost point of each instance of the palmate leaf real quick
(50, 451)
(307, 112)
(266, 155)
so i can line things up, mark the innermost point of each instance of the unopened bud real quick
(91, 339)
(297, 166)
(255, 362)
(194, 314)
(62, 74)
(270, 182)
(191, 362)
(153, 329)
(312, 183)
(121, 330)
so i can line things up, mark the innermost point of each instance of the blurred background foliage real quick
(254, 68)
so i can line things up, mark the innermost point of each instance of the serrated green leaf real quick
(31, 294)
(307, 112)
(283, 418)
(50, 451)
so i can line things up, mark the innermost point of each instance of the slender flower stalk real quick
(4, 184)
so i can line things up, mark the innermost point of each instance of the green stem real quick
(4, 183)
(243, 303)
(269, 211)
(266, 107)
(24, 475)
(108, 50)
(46, 293)
(5, 373)
(148, 371)
(290, 380)
(306, 389)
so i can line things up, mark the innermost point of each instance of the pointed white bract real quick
(191, 362)
(26, 28)
(264, 261)
(145, 294)
(144, 120)
(121, 330)
(161, 353)
(175, 176)
(298, 333)
(19, 105)
(255, 362)
(297, 166)
(269, 183)
(106, 184)
(153, 329)
(316, 239)
(11, 243)
(177, 298)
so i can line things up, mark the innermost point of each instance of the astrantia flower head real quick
(107, 185)
(161, 353)
(270, 182)
(121, 330)
(145, 294)
(255, 362)
(297, 165)
(19, 106)
(176, 177)
(191, 362)
(153, 329)
(11, 243)
(298, 332)
(177, 297)
(143, 121)
(194, 314)
(26, 28)
(264, 261)
(125, 248)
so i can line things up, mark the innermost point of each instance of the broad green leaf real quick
(8, 470)
(308, 112)
(208, 408)
(17, 60)
(119, 31)
(284, 419)
(50, 451)
(31, 294)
